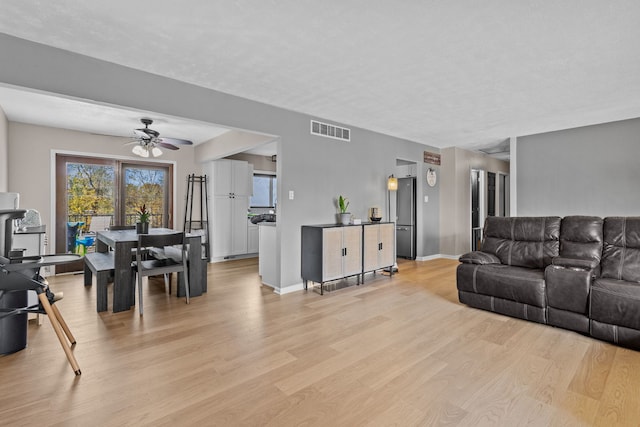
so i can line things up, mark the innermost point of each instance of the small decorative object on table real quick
(142, 226)
(343, 204)
(375, 214)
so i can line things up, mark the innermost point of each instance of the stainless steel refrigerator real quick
(406, 218)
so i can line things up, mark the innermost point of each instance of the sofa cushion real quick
(523, 285)
(581, 237)
(477, 257)
(621, 253)
(616, 302)
(530, 242)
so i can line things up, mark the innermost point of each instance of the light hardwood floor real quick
(395, 351)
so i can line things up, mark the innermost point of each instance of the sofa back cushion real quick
(581, 237)
(529, 242)
(621, 253)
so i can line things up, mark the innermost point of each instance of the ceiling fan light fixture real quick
(148, 141)
(139, 150)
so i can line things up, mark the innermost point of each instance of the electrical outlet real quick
(426, 199)
(291, 195)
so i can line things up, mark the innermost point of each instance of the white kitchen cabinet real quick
(252, 238)
(330, 253)
(231, 187)
(378, 246)
(232, 177)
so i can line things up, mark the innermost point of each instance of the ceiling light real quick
(139, 150)
(156, 152)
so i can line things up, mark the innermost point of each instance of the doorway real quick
(477, 202)
(88, 187)
(503, 195)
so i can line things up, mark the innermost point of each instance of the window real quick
(264, 191)
(87, 187)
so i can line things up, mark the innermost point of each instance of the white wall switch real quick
(426, 199)
(291, 195)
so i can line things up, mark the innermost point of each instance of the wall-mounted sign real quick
(433, 158)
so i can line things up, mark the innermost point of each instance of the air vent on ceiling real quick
(330, 131)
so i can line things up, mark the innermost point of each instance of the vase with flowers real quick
(142, 226)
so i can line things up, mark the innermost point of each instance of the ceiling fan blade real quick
(165, 145)
(135, 141)
(146, 132)
(175, 141)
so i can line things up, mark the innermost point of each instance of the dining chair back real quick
(121, 227)
(174, 249)
(99, 223)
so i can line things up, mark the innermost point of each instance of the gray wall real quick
(31, 149)
(317, 169)
(4, 152)
(455, 203)
(591, 170)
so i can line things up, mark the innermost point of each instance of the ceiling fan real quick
(148, 141)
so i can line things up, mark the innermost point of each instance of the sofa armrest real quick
(582, 264)
(477, 257)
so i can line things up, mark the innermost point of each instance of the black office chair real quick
(171, 256)
(18, 275)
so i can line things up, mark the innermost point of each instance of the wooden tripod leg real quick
(56, 327)
(65, 328)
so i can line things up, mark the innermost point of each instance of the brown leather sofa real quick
(580, 273)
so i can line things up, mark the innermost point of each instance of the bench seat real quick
(102, 265)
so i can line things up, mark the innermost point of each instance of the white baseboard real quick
(436, 256)
(231, 258)
(293, 288)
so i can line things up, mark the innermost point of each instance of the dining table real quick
(122, 242)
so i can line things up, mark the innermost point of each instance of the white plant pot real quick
(345, 218)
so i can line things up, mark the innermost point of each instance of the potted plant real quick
(142, 226)
(343, 205)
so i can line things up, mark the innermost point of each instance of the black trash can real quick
(13, 329)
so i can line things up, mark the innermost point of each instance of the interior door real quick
(491, 194)
(475, 199)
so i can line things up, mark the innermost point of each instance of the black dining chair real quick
(170, 257)
(121, 227)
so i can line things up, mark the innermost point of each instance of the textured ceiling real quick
(444, 73)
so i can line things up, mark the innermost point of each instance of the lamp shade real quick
(140, 151)
(392, 183)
